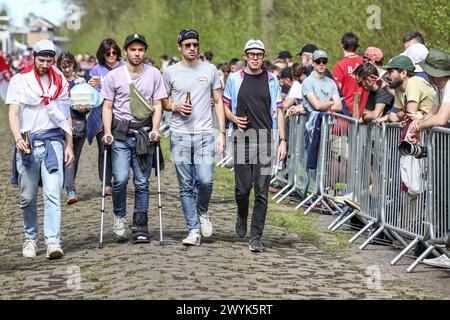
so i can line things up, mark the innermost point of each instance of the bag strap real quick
(127, 74)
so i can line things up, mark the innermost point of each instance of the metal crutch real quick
(105, 155)
(161, 241)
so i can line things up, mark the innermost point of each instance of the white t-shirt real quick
(35, 118)
(295, 91)
(443, 96)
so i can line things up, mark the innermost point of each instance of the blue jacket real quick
(50, 161)
(231, 93)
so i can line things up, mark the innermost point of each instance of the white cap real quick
(254, 44)
(44, 47)
(417, 53)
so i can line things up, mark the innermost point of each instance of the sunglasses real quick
(252, 55)
(189, 45)
(111, 53)
(321, 61)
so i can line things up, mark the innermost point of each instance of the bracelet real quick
(222, 131)
(282, 139)
(19, 139)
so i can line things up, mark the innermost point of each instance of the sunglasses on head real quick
(188, 45)
(321, 61)
(111, 53)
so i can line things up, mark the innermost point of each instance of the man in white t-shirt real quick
(39, 119)
(437, 67)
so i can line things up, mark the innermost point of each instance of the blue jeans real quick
(123, 156)
(193, 156)
(52, 184)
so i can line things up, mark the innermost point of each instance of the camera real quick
(406, 148)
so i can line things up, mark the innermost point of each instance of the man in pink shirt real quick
(343, 72)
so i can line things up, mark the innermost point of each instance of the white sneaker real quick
(206, 228)
(54, 251)
(29, 248)
(119, 229)
(443, 262)
(193, 239)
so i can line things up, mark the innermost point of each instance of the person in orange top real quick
(343, 72)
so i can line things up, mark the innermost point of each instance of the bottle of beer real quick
(245, 115)
(27, 141)
(188, 98)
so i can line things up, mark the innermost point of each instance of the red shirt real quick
(346, 81)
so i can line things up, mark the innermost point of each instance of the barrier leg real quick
(419, 259)
(366, 227)
(341, 223)
(373, 236)
(287, 194)
(313, 205)
(301, 204)
(404, 251)
(281, 191)
(339, 217)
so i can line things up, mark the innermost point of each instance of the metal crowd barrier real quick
(438, 190)
(296, 133)
(337, 165)
(368, 182)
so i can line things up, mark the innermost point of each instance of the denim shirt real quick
(231, 93)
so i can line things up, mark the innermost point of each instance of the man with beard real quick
(39, 119)
(414, 96)
(129, 91)
(191, 84)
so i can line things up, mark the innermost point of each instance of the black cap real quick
(135, 37)
(284, 55)
(187, 34)
(286, 73)
(310, 48)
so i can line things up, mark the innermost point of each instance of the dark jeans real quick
(72, 169)
(252, 174)
(101, 149)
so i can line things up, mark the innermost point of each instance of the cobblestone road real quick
(221, 268)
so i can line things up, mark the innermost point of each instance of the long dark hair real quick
(67, 56)
(105, 46)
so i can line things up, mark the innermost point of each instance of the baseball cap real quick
(319, 54)
(187, 34)
(254, 44)
(44, 48)
(310, 48)
(374, 53)
(417, 53)
(437, 63)
(284, 55)
(135, 37)
(400, 62)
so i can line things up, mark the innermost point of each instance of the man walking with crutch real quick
(131, 118)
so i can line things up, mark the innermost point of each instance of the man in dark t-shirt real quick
(254, 96)
(379, 101)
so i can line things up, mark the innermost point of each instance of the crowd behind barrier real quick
(361, 163)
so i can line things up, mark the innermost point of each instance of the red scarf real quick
(55, 79)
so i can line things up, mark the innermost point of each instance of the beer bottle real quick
(245, 115)
(27, 141)
(188, 98)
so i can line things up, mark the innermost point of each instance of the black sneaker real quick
(241, 227)
(256, 245)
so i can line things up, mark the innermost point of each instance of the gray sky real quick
(52, 10)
